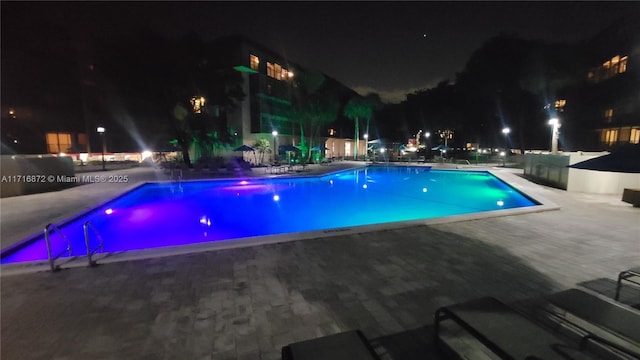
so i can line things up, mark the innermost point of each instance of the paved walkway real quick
(247, 303)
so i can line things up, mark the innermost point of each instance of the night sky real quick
(388, 47)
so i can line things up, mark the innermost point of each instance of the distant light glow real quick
(100, 129)
(500, 203)
(553, 121)
(146, 154)
(244, 182)
(276, 198)
(424, 190)
(506, 131)
(109, 211)
(205, 221)
(331, 182)
(274, 133)
(15, 141)
(62, 154)
(84, 157)
(502, 153)
(364, 186)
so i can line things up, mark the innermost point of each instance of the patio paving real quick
(247, 303)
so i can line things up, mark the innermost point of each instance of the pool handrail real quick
(47, 231)
(88, 225)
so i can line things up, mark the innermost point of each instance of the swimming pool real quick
(157, 215)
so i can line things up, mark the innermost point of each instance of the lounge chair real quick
(606, 324)
(632, 276)
(500, 330)
(350, 345)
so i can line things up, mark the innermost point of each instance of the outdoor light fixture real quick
(101, 130)
(366, 153)
(555, 123)
(506, 132)
(146, 154)
(275, 149)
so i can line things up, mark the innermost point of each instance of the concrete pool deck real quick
(246, 303)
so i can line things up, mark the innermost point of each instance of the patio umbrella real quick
(244, 148)
(625, 160)
(441, 148)
(285, 148)
(288, 149)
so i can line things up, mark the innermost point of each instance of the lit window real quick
(198, 104)
(635, 136)
(254, 62)
(271, 72)
(611, 136)
(332, 132)
(278, 70)
(285, 74)
(560, 104)
(58, 142)
(608, 115)
(623, 65)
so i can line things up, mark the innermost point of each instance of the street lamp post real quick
(366, 151)
(275, 149)
(506, 132)
(427, 148)
(555, 123)
(101, 131)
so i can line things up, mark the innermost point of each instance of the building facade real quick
(270, 83)
(604, 106)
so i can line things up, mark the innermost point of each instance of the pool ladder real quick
(87, 240)
(178, 180)
(51, 229)
(48, 230)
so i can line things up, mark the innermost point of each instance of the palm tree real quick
(356, 109)
(263, 146)
(314, 105)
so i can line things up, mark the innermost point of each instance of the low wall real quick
(23, 175)
(553, 170)
(602, 182)
(547, 169)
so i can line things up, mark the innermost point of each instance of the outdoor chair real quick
(495, 327)
(632, 276)
(350, 345)
(599, 322)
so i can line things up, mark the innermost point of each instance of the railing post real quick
(86, 241)
(47, 242)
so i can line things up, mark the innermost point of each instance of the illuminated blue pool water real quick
(159, 215)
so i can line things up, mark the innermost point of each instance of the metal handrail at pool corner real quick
(88, 225)
(47, 231)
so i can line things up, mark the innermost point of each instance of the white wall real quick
(552, 170)
(601, 182)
